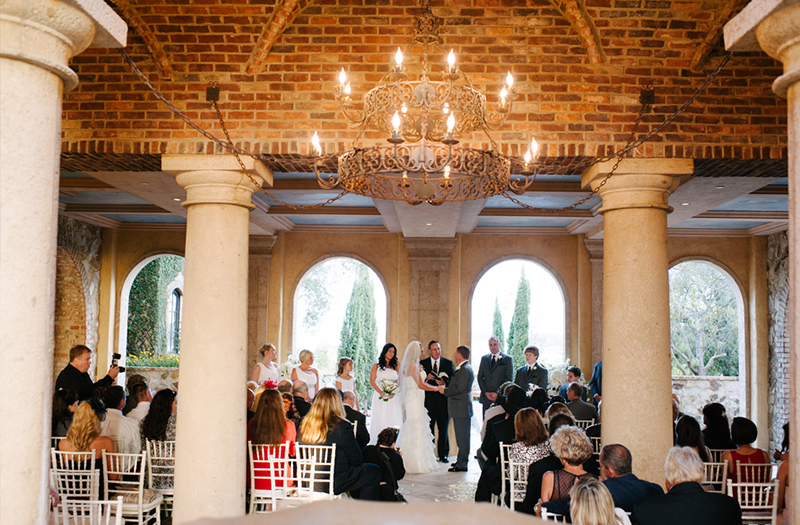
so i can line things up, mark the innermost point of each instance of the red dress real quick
(759, 456)
(265, 468)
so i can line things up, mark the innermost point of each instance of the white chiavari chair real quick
(91, 512)
(123, 475)
(715, 475)
(505, 454)
(518, 480)
(272, 477)
(758, 501)
(315, 471)
(596, 445)
(547, 516)
(716, 454)
(161, 470)
(73, 475)
(754, 472)
(584, 423)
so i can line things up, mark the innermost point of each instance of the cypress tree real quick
(497, 324)
(359, 336)
(518, 332)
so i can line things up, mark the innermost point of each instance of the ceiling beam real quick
(522, 212)
(324, 210)
(744, 215)
(117, 209)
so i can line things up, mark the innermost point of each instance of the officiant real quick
(439, 371)
(531, 373)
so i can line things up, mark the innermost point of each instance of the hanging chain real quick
(253, 180)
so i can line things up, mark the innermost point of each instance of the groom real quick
(459, 404)
(439, 371)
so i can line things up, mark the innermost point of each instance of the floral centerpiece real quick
(390, 388)
(286, 367)
(557, 374)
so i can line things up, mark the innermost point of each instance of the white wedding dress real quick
(415, 439)
(385, 413)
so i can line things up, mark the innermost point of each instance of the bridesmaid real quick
(386, 409)
(266, 369)
(305, 373)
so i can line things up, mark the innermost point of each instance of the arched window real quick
(522, 303)
(340, 310)
(174, 310)
(707, 322)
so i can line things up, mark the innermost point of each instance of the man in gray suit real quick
(459, 405)
(579, 408)
(496, 368)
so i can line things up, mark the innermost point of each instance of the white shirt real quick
(116, 425)
(140, 411)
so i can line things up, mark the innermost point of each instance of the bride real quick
(415, 440)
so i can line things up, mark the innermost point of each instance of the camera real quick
(115, 361)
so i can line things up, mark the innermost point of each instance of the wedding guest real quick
(688, 434)
(572, 448)
(558, 408)
(75, 375)
(490, 481)
(266, 369)
(326, 424)
(117, 426)
(285, 386)
(65, 403)
(302, 400)
(532, 444)
(743, 434)
(717, 434)
(538, 399)
(573, 376)
(579, 408)
(159, 423)
(306, 372)
(390, 460)
(269, 426)
(490, 417)
(142, 397)
(84, 434)
(783, 478)
(591, 504)
(358, 419)
(531, 373)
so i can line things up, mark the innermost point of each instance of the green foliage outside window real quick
(359, 336)
(497, 325)
(520, 323)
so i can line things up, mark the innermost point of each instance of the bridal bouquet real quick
(389, 387)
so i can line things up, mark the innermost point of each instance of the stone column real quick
(37, 39)
(429, 290)
(258, 296)
(210, 462)
(774, 26)
(595, 247)
(637, 379)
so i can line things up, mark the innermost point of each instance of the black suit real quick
(436, 404)
(73, 379)
(360, 421)
(302, 406)
(350, 472)
(687, 504)
(537, 376)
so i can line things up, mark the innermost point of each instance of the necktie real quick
(436, 367)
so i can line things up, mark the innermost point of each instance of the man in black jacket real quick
(438, 372)
(358, 419)
(76, 374)
(302, 401)
(686, 502)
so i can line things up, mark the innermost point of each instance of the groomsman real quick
(439, 371)
(459, 404)
(531, 373)
(496, 368)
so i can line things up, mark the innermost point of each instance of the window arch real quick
(707, 335)
(497, 289)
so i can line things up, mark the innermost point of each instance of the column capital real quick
(637, 183)
(217, 179)
(595, 248)
(429, 247)
(261, 245)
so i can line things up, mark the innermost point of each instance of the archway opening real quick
(340, 310)
(706, 337)
(522, 303)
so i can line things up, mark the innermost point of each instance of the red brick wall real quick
(70, 316)
(571, 104)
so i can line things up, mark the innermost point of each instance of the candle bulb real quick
(451, 61)
(503, 94)
(534, 147)
(447, 172)
(527, 157)
(509, 80)
(347, 89)
(342, 77)
(398, 58)
(396, 122)
(315, 143)
(451, 123)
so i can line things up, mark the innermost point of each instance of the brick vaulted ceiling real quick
(579, 67)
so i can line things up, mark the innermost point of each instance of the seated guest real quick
(141, 397)
(579, 408)
(558, 408)
(625, 488)
(75, 375)
(117, 426)
(743, 434)
(251, 404)
(688, 434)
(302, 401)
(501, 431)
(591, 504)
(783, 478)
(495, 412)
(84, 434)
(326, 424)
(573, 375)
(358, 419)
(593, 431)
(537, 469)
(65, 403)
(531, 373)
(572, 448)
(284, 385)
(159, 423)
(717, 434)
(538, 399)
(390, 460)
(686, 503)
(291, 411)
(270, 427)
(531, 445)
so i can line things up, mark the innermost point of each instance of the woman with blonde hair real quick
(304, 372)
(266, 370)
(591, 504)
(326, 424)
(84, 434)
(573, 448)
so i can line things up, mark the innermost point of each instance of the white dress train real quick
(415, 439)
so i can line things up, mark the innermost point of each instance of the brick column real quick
(637, 407)
(37, 39)
(775, 28)
(211, 440)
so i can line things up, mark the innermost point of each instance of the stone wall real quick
(694, 392)
(157, 378)
(82, 242)
(778, 295)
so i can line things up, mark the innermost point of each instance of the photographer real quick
(390, 460)
(76, 377)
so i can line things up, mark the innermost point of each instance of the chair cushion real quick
(148, 496)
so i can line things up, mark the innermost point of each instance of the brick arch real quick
(154, 47)
(282, 16)
(70, 310)
(583, 23)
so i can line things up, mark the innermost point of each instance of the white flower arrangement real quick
(389, 387)
(287, 366)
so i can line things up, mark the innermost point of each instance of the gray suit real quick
(459, 405)
(582, 410)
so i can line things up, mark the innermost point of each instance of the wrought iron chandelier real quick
(422, 160)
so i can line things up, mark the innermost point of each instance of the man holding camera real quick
(76, 374)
